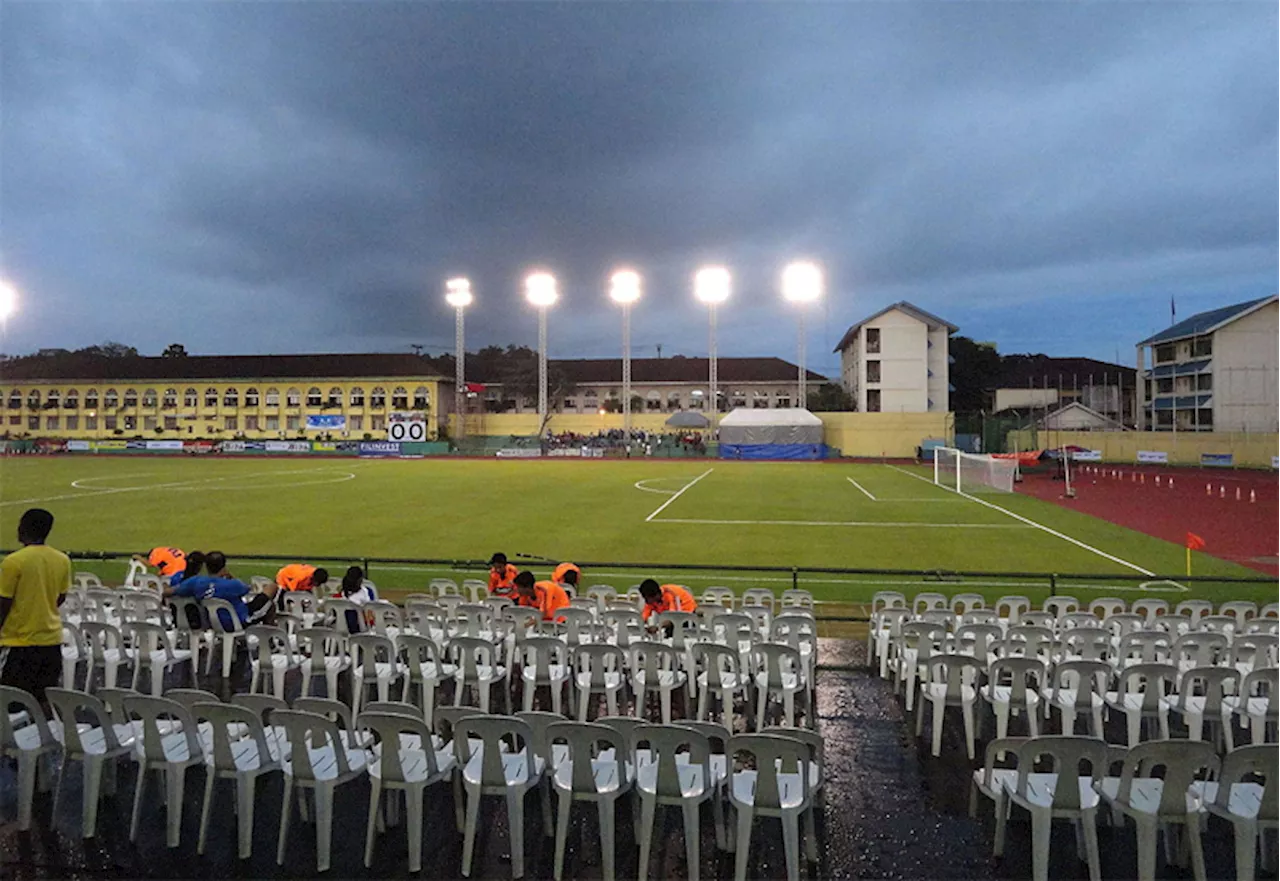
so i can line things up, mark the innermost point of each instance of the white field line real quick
(639, 484)
(1075, 541)
(842, 523)
(345, 476)
(678, 494)
(865, 492)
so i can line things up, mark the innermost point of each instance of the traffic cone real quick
(1142, 479)
(1237, 493)
(1253, 496)
(1157, 480)
(1208, 490)
(1170, 483)
(1133, 477)
(1222, 491)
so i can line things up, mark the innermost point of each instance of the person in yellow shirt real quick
(33, 583)
(545, 596)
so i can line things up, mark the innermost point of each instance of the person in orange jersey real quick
(665, 598)
(545, 596)
(502, 577)
(300, 576)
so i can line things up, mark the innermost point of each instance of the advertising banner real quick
(407, 426)
(324, 447)
(255, 446)
(519, 453)
(1217, 460)
(1087, 455)
(566, 453)
(1153, 457)
(105, 445)
(1275, 461)
(232, 446)
(279, 446)
(200, 447)
(168, 445)
(78, 446)
(135, 445)
(380, 448)
(327, 422)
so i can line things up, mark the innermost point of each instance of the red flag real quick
(475, 387)
(1194, 542)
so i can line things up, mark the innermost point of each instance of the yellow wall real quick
(526, 424)
(1250, 450)
(208, 422)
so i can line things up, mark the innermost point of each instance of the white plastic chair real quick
(1199, 699)
(1057, 606)
(1256, 702)
(1154, 802)
(778, 786)
(94, 745)
(242, 752)
(916, 641)
(1013, 687)
(1143, 693)
(1194, 609)
(105, 649)
(1249, 807)
(1078, 687)
(666, 780)
(227, 628)
(721, 675)
(599, 670)
(655, 666)
(991, 780)
(374, 665)
(317, 760)
(328, 657)
(1240, 610)
(476, 667)
(779, 675)
(73, 654)
(275, 657)
(28, 745)
(169, 742)
(1009, 609)
(589, 772)
(192, 625)
(544, 662)
(401, 767)
(152, 649)
(1063, 793)
(488, 769)
(424, 670)
(952, 682)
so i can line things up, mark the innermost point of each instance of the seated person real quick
(664, 598)
(502, 577)
(300, 576)
(562, 574)
(545, 596)
(259, 608)
(167, 562)
(353, 588)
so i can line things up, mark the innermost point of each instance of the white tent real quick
(783, 426)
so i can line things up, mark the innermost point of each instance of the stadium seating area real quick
(1179, 705)
(713, 708)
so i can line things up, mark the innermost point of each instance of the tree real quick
(175, 350)
(830, 397)
(110, 349)
(975, 371)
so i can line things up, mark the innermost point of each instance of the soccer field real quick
(704, 512)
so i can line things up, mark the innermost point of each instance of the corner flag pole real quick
(1188, 561)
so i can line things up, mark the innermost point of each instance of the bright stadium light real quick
(802, 285)
(624, 289)
(540, 291)
(457, 293)
(711, 286)
(8, 300)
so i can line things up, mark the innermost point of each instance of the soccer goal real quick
(971, 472)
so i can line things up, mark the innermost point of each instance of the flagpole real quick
(1188, 561)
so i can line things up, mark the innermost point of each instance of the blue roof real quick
(1203, 322)
(1183, 369)
(1185, 402)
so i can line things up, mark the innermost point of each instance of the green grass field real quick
(663, 512)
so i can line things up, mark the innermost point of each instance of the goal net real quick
(971, 472)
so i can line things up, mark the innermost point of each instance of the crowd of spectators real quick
(615, 441)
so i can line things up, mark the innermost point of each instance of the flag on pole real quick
(1173, 310)
(1194, 542)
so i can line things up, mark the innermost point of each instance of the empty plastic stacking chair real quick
(952, 682)
(721, 675)
(599, 670)
(1078, 687)
(667, 779)
(993, 780)
(242, 751)
(1064, 793)
(1256, 706)
(275, 658)
(168, 741)
(1249, 807)
(1142, 694)
(545, 662)
(655, 666)
(777, 786)
(596, 768)
(28, 745)
(94, 745)
(1013, 686)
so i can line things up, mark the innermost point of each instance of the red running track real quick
(1199, 500)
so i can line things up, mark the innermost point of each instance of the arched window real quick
(313, 397)
(759, 400)
(737, 398)
(53, 400)
(211, 397)
(697, 399)
(653, 401)
(149, 398)
(293, 398)
(170, 398)
(15, 400)
(782, 399)
(421, 398)
(251, 397)
(273, 397)
(91, 399)
(335, 397)
(231, 397)
(72, 400)
(357, 397)
(400, 398)
(378, 397)
(131, 397)
(190, 398)
(111, 399)
(673, 400)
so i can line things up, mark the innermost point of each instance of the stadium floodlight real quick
(8, 300)
(802, 285)
(540, 291)
(624, 289)
(457, 293)
(711, 286)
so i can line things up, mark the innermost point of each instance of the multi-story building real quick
(1034, 385)
(897, 361)
(1214, 371)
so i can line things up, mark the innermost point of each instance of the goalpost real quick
(972, 472)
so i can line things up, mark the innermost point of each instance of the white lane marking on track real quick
(639, 484)
(865, 491)
(1075, 541)
(843, 523)
(678, 494)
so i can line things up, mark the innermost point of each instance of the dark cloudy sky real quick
(275, 177)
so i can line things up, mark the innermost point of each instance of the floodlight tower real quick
(458, 295)
(624, 289)
(711, 286)
(802, 285)
(540, 291)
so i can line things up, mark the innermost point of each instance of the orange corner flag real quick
(1194, 542)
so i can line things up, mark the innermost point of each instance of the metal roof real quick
(1185, 369)
(1204, 323)
(1184, 402)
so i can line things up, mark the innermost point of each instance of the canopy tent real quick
(688, 419)
(792, 433)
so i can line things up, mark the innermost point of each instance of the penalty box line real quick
(1027, 520)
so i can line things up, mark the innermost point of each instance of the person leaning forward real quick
(502, 577)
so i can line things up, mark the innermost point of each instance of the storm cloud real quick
(287, 177)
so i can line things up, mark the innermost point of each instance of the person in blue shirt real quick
(218, 584)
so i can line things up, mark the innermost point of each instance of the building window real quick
(91, 423)
(251, 397)
(15, 400)
(51, 423)
(357, 397)
(673, 400)
(873, 341)
(335, 397)
(211, 397)
(1205, 417)
(873, 371)
(170, 399)
(357, 422)
(783, 400)
(73, 423)
(251, 423)
(109, 423)
(291, 423)
(33, 400)
(130, 398)
(293, 398)
(421, 398)
(230, 423)
(1167, 352)
(1164, 386)
(313, 397)
(190, 398)
(1204, 382)
(378, 397)
(1202, 348)
(697, 399)
(378, 423)
(91, 399)
(273, 423)
(149, 423)
(400, 398)
(737, 398)
(873, 400)
(570, 403)
(759, 400)
(72, 401)
(111, 399)
(53, 399)
(130, 423)
(171, 423)
(231, 397)
(15, 420)
(273, 397)
(33, 423)
(653, 401)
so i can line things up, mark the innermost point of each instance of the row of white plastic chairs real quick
(776, 772)
(1162, 786)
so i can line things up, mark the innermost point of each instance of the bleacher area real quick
(1178, 706)
(713, 719)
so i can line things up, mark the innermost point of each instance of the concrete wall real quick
(893, 435)
(526, 424)
(904, 351)
(939, 368)
(1025, 398)
(1250, 451)
(1245, 372)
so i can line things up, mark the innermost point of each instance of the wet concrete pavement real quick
(892, 811)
